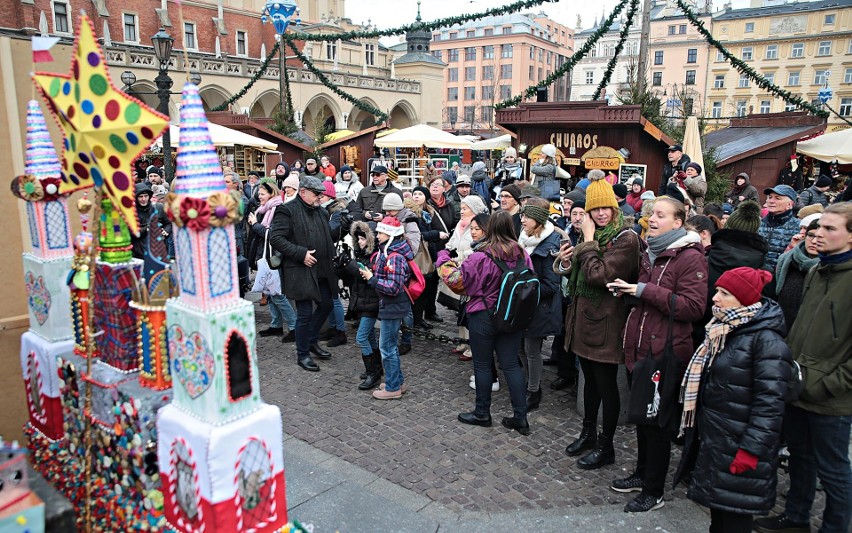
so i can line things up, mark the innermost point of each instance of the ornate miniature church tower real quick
(219, 446)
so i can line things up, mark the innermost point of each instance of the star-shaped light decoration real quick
(104, 130)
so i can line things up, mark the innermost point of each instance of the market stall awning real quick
(835, 146)
(222, 136)
(338, 135)
(422, 135)
(495, 143)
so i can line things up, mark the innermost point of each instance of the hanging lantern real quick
(279, 13)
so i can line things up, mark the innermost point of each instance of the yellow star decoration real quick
(104, 130)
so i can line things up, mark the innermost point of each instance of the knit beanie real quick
(599, 193)
(577, 195)
(693, 165)
(810, 210)
(620, 190)
(392, 202)
(390, 226)
(292, 182)
(514, 190)
(510, 152)
(823, 181)
(746, 217)
(345, 168)
(422, 189)
(744, 283)
(647, 195)
(329, 189)
(475, 204)
(539, 214)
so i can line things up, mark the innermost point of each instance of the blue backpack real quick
(518, 298)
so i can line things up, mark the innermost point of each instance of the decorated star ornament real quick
(104, 130)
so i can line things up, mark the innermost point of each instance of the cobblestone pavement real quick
(418, 444)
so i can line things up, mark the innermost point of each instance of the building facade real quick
(226, 43)
(495, 58)
(589, 72)
(801, 47)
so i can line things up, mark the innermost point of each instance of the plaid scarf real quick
(723, 321)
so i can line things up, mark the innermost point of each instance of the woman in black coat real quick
(733, 395)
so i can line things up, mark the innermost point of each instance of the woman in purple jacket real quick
(481, 280)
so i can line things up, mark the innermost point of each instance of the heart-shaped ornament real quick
(38, 297)
(192, 362)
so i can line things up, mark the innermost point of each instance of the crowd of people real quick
(733, 320)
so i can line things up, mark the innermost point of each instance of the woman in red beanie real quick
(733, 403)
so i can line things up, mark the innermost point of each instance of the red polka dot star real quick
(104, 130)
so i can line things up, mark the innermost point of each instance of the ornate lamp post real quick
(278, 12)
(163, 50)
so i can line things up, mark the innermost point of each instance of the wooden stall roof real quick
(349, 139)
(749, 136)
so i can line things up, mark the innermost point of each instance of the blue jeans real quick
(388, 337)
(310, 320)
(409, 323)
(282, 311)
(819, 445)
(366, 336)
(335, 321)
(484, 342)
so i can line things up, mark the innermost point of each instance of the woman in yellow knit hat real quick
(608, 249)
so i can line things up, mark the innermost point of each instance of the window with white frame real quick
(452, 94)
(793, 78)
(488, 52)
(692, 55)
(470, 33)
(506, 51)
(748, 53)
(720, 57)
(131, 27)
(742, 107)
(672, 30)
(719, 81)
(189, 36)
(845, 107)
(743, 81)
(682, 29)
(331, 50)
(820, 77)
(797, 50)
(532, 52)
(765, 106)
(847, 76)
(772, 51)
(507, 30)
(590, 77)
(829, 20)
(61, 20)
(452, 74)
(716, 110)
(658, 57)
(242, 43)
(469, 73)
(824, 48)
(370, 54)
(749, 27)
(770, 77)
(489, 32)
(789, 107)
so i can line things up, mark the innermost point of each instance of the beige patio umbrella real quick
(692, 141)
(495, 143)
(835, 146)
(422, 135)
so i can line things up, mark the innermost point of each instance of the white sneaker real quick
(494, 386)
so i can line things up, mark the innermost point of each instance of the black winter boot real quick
(338, 340)
(533, 399)
(586, 441)
(602, 455)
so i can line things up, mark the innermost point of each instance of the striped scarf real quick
(723, 321)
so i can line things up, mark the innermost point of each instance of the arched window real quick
(255, 484)
(238, 371)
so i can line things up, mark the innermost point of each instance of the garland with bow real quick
(744, 68)
(568, 65)
(610, 67)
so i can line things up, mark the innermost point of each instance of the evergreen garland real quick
(744, 68)
(288, 96)
(610, 67)
(257, 75)
(421, 26)
(380, 115)
(568, 65)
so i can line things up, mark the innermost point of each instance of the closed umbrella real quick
(692, 141)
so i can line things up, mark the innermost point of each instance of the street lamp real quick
(163, 50)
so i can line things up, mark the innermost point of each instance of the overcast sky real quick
(404, 11)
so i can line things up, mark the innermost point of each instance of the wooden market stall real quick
(355, 150)
(590, 135)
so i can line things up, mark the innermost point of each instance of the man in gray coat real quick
(300, 231)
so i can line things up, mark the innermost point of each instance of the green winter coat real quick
(821, 340)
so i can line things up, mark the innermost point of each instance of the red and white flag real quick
(41, 49)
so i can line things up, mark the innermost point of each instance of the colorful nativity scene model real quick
(141, 375)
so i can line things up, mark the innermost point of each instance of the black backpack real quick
(518, 298)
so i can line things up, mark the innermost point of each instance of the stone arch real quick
(146, 91)
(213, 96)
(321, 106)
(402, 115)
(360, 119)
(265, 105)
